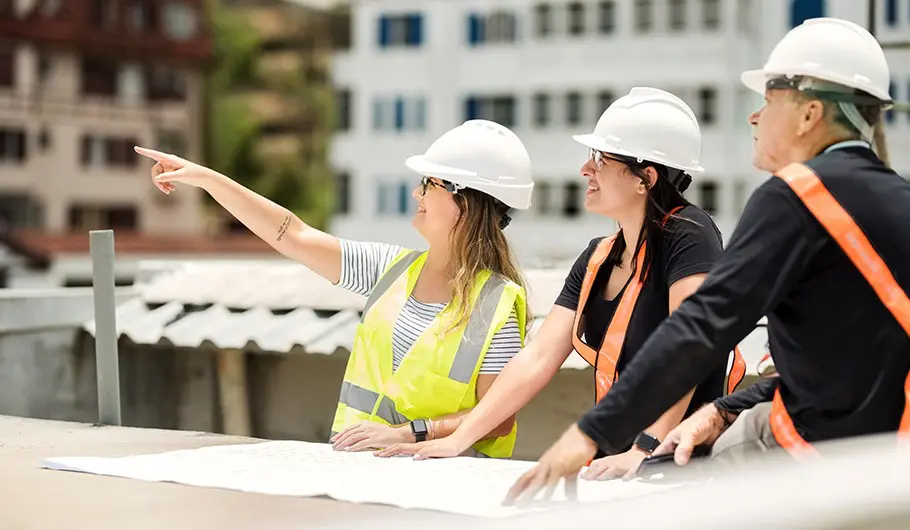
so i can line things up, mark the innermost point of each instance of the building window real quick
(707, 104)
(343, 109)
(543, 198)
(180, 21)
(572, 205)
(140, 14)
(173, 142)
(99, 77)
(498, 27)
(576, 20)
(21, 210)
(644, 15)
(607, 16)
(399, 114)
(574, 109)
(103, 151)
(891, 12)
(394, 198)
(342, 193)
(501, 27)
(543, 20)
(604, 99)
(745, 18)
(44, 139)
(13, 146)
(401, 30)
(92, 217)
(165, 84)
(677, 15)
(802, 10)
(103, 13)
(739, 196)
(51, 8)
(500, 109)
(7, 66)
(541, 109)
(710, 14)
(708, 196)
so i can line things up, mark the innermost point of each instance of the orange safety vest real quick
(606, 360)
(848, 235)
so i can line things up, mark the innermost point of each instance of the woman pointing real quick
(438, 325)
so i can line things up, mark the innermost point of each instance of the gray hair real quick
(855, 120)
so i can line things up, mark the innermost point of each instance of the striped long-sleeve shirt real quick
(362, 264)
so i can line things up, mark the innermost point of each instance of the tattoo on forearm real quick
(284, 227)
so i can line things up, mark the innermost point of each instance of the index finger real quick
(520, 486)
(157, 156)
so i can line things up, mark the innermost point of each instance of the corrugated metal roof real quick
(277, 307)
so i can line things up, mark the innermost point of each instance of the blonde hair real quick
(478, 244)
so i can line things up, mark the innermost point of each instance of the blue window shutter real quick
(381, 206)
(891, 12)
(377, 115)
(415, 30)
(384, 24)
(399, 113)
(474, 30)
(470, 108)
(802, 10)
(889, 114)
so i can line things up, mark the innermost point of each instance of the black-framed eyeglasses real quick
(599, 156)
(426, 182)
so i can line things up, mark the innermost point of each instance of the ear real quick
(811, 114)
(650, 177)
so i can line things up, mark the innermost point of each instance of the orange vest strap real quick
(606, 359)
(848, 235)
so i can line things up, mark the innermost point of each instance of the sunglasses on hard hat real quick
(426, 182)
(804, 84)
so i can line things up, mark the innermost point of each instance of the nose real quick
(589, 169)
(753, 118)
(416, 192)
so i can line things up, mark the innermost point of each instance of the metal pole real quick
(106, 359)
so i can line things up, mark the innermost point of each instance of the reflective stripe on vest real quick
(388, 278)
(365, 400)
(848, 235)
(606, 360)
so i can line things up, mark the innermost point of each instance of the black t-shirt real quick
(841, 356)
(690, 245)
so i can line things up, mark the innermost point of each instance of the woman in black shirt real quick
(641, 153)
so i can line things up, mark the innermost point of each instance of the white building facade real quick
(547, 69)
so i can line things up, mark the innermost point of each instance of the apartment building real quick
(81, 83)
(548, 69)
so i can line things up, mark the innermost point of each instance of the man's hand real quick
(370, 435)
(446, 447)
(701, 428)
(614, 466)
(563, 460)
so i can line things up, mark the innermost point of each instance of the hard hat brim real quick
(421, 165)
(755, 80)
(596, 142)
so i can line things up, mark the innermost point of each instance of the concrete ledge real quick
(29, 310)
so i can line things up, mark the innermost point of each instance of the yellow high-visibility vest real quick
(438, 375)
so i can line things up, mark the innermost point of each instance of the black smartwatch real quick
(419, 429)
(646, 442)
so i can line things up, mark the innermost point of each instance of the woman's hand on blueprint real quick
(442, 448)
(370, 435)
(169, 169)
(614, 466)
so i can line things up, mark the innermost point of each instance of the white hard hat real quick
(649, 124)
(482, 155)
(829, 49)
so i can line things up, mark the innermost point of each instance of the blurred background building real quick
(548, 69)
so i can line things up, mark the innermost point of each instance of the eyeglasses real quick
(599, 156)
(427, 182)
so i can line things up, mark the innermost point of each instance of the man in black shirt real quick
(842, 358)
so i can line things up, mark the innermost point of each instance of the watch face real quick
(647, 442)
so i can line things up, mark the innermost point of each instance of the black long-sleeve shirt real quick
(841, 356)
